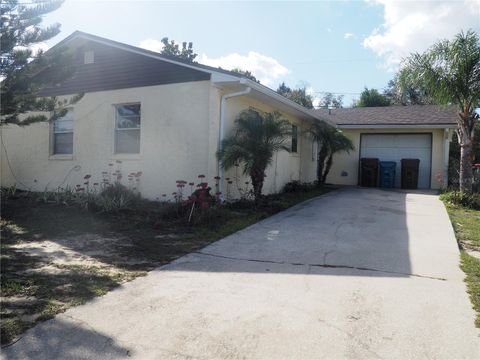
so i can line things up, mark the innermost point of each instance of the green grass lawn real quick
(36, 286)
(466, 223)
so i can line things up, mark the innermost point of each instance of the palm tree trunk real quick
(466, 135)
(328, 165)
(466, 171)
(322, 156)
(257, 176)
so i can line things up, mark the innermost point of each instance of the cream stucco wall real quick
(348, 163)
(174, 144)
(285, 166)
(179, 140)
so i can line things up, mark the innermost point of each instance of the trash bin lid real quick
(410, 161)
(388, 164)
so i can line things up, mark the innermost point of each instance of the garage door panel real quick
(395, 147)
(413, 141)
(391, 154)
(377, 141)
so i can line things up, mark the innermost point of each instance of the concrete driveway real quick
(357, 273)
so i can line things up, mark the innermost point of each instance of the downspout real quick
(223, 103)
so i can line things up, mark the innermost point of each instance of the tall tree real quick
(454, 156)
(20, 65)
(24, 71)
(256, 138)
(299, 95)
(330, 141)
(247, 74)
(450, 72)
(372, 98)
(410, 95)
(330, 100)
(172, 49)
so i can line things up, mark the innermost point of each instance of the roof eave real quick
(306, 113)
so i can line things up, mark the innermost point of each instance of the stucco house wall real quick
(174, 141)
(179, 139)
(349, 162)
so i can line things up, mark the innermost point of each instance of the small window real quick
(88, 57)
(127, 129)
(63, 134)
(294, 139)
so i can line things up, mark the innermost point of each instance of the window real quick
(127, 129)
(63, 134)
(294, 139)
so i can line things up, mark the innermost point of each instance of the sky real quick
(326, 46)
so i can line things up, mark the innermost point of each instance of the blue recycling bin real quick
(387, 174)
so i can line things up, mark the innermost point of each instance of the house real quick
(394, 133)
(145, 113)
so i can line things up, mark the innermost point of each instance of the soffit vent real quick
(88, 57)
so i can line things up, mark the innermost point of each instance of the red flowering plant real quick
(87, 181)
(201, 196)
(179, 193)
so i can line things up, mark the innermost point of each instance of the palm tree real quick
(257, 136)
(450, 73)
(330, 141)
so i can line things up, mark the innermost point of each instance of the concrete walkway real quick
(357, 273)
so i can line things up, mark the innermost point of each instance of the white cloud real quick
(264, 68)
(413, 26)
(152, 45)
(348, 35)
(316, 100)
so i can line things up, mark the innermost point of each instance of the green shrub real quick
(116, 197)
(297, 186)
(8, 192)
(471, 201)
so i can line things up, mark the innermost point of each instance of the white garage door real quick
(395, 147)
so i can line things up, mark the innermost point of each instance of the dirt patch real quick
(54, 257)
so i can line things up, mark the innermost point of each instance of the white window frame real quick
(53, 132)
(115, 129)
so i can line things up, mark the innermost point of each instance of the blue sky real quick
(336, 46)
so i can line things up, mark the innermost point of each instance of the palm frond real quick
(256, 137)
(449, 71)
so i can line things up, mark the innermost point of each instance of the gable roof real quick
(114, 68)
(392, 116)
(216, 75)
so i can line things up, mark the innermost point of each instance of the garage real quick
(393, 133)
(395, 147)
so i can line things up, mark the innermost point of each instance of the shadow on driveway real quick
(61, 339)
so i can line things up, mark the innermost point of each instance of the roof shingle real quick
(392, 115)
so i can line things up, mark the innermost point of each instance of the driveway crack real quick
(328, 266)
